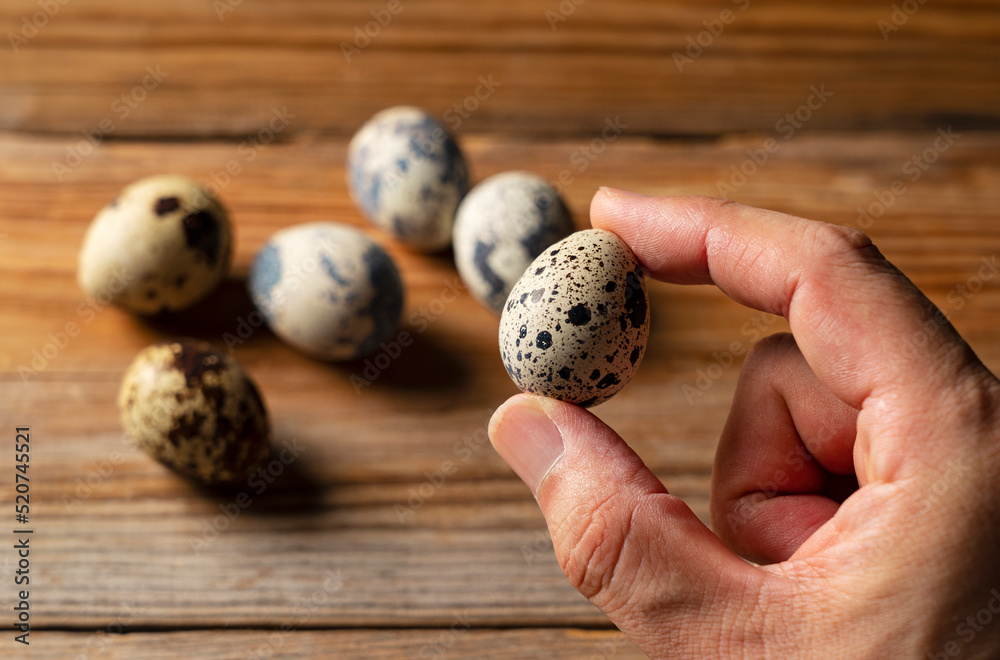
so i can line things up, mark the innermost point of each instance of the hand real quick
(881, 421)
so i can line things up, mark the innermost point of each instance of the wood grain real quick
(364, 519)
(320, 645)
(606, 60)
(397, 531)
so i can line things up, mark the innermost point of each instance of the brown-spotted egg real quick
(328, 290)
(407, 175)
(194, 409)
(501, 226)
(163, 244)
(575, 325)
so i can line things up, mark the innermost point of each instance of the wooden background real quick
(360, 549)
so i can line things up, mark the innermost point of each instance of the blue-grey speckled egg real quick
(576, 324)
(407, 175)
(501, 226)
(327, 289)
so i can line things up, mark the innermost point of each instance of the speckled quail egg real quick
(194, 409)
(328, 290)
(163, 244)
(407, 175)
(575, 325)
(501, 226)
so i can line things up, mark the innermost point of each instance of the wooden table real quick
(363, 547)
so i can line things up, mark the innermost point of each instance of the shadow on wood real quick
(283, 485)
(227, 316)
(425, 364)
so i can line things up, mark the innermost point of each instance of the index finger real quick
(864, 328)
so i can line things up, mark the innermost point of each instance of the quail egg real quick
(327, 290)
(501, 226)
(163, 244)
(407, 175)
(576, 324)
(194, 409)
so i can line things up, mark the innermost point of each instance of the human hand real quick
(872, 384)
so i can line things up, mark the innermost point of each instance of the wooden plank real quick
(409, 542)
(397, 531)
(366, 501)
(455, 641)
(259, 572)
(607, 60)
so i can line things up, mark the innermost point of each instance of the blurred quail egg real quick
(194, 409)
(407, 175)
(328, 290)
(501, 226)
(576, 324)
(163, 244)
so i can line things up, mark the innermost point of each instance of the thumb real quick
(636, 552)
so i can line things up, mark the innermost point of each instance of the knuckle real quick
(727, 516)
(779, 342)
(830, 239)
(591, 549)
(733, 517)
(768, 353)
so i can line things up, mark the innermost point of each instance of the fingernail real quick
(527, 438)
(618, 192)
